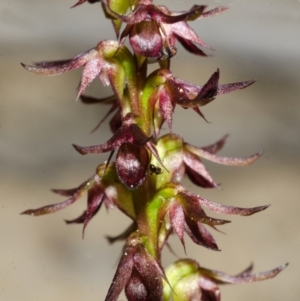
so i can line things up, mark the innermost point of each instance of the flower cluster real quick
(145, 180)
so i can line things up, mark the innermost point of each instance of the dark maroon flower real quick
(184, 211)
(191, 282)
(153, 30)
(132, 158)
(172, 90)
(138, 272)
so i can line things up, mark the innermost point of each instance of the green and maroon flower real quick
(181, 158)
(109, 61)
(184, 213)
(103, 187)
(166, 91)
(191, 282)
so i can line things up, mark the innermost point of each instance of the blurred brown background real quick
(41, 259)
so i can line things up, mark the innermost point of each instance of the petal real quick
(198, 179)
(122, 274)
(215, 147)
(79, 3)
(213, 12)
(209, 90)
(197, 172)
(78, 220)
(56, 207)
(59, 67)
(95, 198)
(129, 132)
(197, 110)
(188, 90)
(68, 192)
(223, 160)
(83, 1)
(177, 221)
(224, 209)
(92, 100)
(194, 212)
(142, 11)
(160, 16)
(204, 96)
(186, 33)
(246, 272)
(199, 235)
(90, 71)
(116, 75)
(221, 277)
(190, 47)
(131, 164)
(166, 105)
(224, 89)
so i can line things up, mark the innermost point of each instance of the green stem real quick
(146, 215)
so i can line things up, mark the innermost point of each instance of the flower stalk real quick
(144, 179)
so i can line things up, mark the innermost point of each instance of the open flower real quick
(138, 272)
(103, 187)
(153, 30)
(184, 212)
(191, 282)
(181, 158)
(132, 158)
(103, 61)
(169, 91)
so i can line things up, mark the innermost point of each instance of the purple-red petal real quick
(58, 67)
(95, 198)
(224, 209)
(223, 160)
(131, 164)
